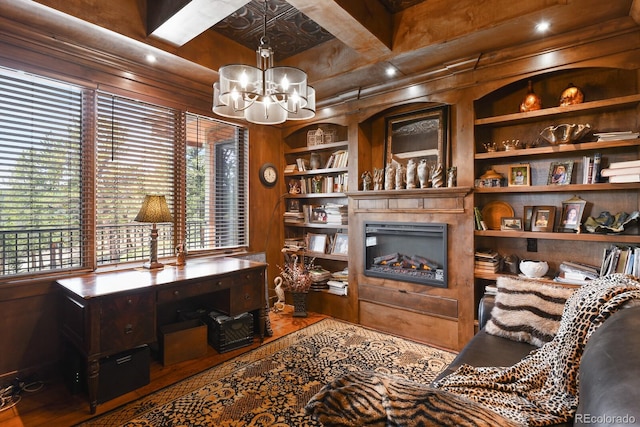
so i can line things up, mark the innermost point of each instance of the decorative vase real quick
(571, 95)
(531, 101)
(299, 304)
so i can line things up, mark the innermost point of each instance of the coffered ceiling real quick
(346, 46)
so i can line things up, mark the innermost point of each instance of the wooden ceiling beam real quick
(179, 21)
(365, 26)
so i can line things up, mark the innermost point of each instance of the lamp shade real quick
(154, 209)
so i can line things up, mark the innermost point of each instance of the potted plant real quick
(296, 279)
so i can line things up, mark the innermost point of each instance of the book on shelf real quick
(587, 169)
(290, 168)
(620, 179)
(623, 165)
(609, 171)
(595, 169)
(303, 164)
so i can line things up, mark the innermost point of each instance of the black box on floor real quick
(228, 333)
(119, 373)
(123, 372)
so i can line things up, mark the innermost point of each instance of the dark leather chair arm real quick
(484, 309)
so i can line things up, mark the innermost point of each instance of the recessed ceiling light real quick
(390, 71)
(151, 58)
(543, 27)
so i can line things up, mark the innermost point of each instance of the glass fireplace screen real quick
(410, 252)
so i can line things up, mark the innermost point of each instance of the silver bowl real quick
(565, 133)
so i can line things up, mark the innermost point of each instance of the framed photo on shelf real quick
(340, 244)
(293, 205)
(519, 175)
(510, 224)
(316, 243)
(528, 213)
(572, 211)
(560, 173)
(543, 218)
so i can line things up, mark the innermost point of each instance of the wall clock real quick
(268, 174)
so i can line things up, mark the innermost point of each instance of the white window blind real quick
(216, 184)
(40, 174)
(135, 157)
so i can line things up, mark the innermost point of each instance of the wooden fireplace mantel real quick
(436, 200)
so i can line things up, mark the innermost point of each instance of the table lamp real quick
(154, 210)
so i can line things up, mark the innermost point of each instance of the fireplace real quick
(410, 252)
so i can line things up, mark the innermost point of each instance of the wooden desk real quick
(106, 313)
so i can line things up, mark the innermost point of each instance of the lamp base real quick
(153, 265)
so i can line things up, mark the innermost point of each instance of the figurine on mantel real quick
(423, 173)
(390, 176)
(437, 179)
(400, 175)
(411, 173)
(366, 181)
(378, 179)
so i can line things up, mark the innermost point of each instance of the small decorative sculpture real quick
(400, 175)
(411, 173)
(279, 305)
(378, 179)
(436, 176)
(490, 147)
(366, 181)
(423, 173)
(390, 175)
(181, 255)
(452, 176)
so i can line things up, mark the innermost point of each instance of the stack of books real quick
(294, 244)
(337, 287)
(619, 172)
(487, 261)
(576, 273)
(294, 217)
(620, 259)
(616, 136)
(336, 214)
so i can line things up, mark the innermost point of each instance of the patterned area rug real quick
(269, 386)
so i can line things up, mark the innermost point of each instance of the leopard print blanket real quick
(542, 388)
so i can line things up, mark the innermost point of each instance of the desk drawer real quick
(127, 321)
(245, 297)
(188, 290)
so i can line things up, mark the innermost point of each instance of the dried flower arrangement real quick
(295, 274)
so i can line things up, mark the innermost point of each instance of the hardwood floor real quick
(54, 405)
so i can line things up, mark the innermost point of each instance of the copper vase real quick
(531, 102)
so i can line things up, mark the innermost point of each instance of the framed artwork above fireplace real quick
(418, 135)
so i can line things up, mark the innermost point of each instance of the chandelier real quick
(265, 94)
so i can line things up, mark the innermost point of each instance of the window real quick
(40, 174)
(135, 157)
(76, 164)
(216, 184)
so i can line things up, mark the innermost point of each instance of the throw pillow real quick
(527, 310)
(374, 399)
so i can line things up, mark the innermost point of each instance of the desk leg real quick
(93, 371)
(262, 315)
